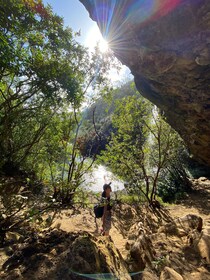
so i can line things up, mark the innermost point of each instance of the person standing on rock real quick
(106, 218)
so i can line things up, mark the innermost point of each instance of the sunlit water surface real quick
(99, 177)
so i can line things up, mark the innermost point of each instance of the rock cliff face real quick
(166, 45)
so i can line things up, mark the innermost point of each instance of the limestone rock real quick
(142, 252)
(62, 255)
(199, 275)
(167, 48)
(149, 275)
(170, 274)
(14, 237)
(129, 245)
(16, 274)
(204, 247)
(183, 226)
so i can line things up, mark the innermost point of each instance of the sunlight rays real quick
(95, 38)
(116, 18)
(103, 46)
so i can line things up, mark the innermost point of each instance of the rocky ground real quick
(170, 243)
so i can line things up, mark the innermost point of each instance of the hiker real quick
(106, 218)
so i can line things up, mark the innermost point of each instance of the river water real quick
(101, 176)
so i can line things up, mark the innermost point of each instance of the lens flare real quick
(103, 45)
(117, 17)
(140, 11)
(94, 38)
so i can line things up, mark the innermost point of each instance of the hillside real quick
(100, 114)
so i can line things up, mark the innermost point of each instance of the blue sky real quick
(74, 14)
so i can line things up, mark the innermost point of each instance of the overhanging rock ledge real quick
(166, 45)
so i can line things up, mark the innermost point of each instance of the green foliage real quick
(44, 76)
(174, 183)
(160, 263)
(130, 199)
(142, 146)
(39, 71)
(82, 198)
(102, 110)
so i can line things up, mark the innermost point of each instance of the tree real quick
(39, 68)
(174, 180)
(43, 69)
(59, 160)
(142, 146)
(45, 75)
(103, 109)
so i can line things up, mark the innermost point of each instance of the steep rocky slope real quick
(166, 45)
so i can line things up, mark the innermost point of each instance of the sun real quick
(103, 45)
(94, 37)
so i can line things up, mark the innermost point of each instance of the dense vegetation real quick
(143, 147)
(45, 74)
(138, 145)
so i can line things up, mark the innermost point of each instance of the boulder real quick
(149, 275)
(142, 252)
(170, 274)
(203, 245)
(183, 226)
